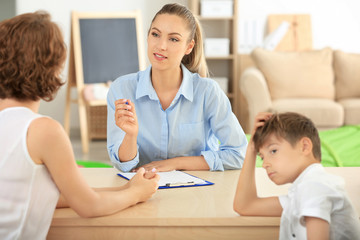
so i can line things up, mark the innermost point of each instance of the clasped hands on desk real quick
(184, 213)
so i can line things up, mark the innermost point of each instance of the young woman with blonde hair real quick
(170, 116)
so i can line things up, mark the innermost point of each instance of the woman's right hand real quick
(125, 116)
(144, 187)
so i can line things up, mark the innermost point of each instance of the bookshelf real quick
(222, 66)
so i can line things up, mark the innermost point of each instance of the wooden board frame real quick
(299, 35)
(75, 71)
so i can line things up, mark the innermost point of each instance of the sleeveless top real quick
(28, 194)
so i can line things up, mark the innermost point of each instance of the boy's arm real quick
(317, 228)
(246, 201)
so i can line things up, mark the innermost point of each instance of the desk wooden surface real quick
(184, 213)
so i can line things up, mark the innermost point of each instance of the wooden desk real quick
(184, 213)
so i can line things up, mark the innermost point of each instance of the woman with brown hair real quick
(36, 159)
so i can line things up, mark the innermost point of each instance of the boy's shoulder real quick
(316, 173)
(315, 182)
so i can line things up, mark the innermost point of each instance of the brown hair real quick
(195, 61)
(32, 53)
(291, 127)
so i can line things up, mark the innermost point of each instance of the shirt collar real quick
(145, 87)
(186, 88)
(309, 169)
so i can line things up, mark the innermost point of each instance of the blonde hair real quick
(195, 61)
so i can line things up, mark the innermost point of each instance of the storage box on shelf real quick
(216, 8)
(219, 22)
(217, 47)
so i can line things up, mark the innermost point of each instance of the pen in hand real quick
(127, 103)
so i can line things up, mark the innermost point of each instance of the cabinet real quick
(222, 66)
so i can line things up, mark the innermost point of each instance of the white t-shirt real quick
(28, 195)
(316, 193)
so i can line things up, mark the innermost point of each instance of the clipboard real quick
(187, 180)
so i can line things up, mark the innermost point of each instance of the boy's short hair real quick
(32, 54)
(291, 127)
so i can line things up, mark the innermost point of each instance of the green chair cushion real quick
(340, 147)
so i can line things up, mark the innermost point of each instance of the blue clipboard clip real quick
(179, 184)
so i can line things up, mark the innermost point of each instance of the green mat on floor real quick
(340, 147)
(91, 164)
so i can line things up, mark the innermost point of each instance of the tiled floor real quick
(97, 150)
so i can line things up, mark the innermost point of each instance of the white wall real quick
(61, 14)
(7, 9)
(335, 23)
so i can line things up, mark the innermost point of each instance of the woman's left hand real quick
(160, 166)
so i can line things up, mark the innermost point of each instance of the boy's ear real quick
(306, 145)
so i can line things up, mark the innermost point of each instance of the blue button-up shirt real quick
(198, 122)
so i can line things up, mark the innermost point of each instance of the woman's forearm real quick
(191, 163)
(62, 203)
(128, 148)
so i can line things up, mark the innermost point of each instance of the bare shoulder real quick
(45, 125)
(44, 135)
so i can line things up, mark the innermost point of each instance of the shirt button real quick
(294, 236)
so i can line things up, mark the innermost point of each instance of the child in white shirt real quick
(317, 206)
